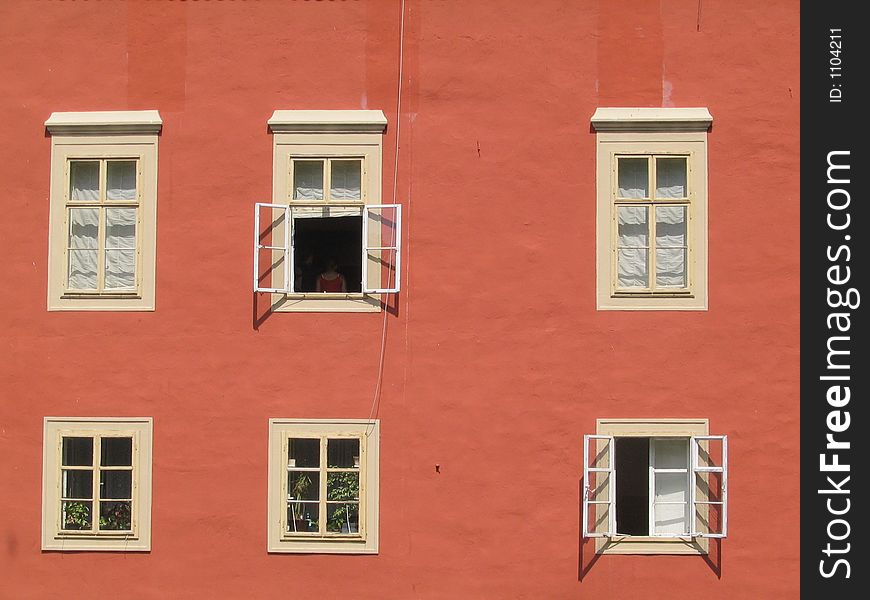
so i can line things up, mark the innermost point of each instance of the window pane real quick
(121, 180)
(632, 268)
(304, 453)
(303, 485)
(84, 224)
(670, 226)
(342, 486)
(671, 178)
(671, 487)
(303, 517)
(671, 268)
(84, 180)
(116, 484)
(116, 451)
(671, 454)
(633, 174)
(346, 180)
(78, 484)
(83, 232)
(342, 518)
(120, 269)
(342, 453)
(75, 515)
(671, 519)
(77, 452)
(308, 180)
(633, 226)
(115, 515)
(120, 228)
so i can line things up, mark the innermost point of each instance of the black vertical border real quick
(828, 126)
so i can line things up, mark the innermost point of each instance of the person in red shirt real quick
(331, 280)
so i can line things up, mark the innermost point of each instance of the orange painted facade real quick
(496, 361)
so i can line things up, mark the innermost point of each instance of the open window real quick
(326, 242)
(654, 487)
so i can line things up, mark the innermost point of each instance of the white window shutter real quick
(272, 262)
(709, 486)
(599, 486)
(382, 248)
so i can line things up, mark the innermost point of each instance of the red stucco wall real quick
(497, 361)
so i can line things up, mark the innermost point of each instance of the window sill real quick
(650, 294)
(100, 295)
(652, 545)
(325, 302)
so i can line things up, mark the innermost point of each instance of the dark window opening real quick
(632, 485)
(318, 240)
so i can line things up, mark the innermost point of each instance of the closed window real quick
(97, 484)
(651, 208)
(323, 486)
(103, 210)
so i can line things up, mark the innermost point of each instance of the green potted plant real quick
(76, 515)
(297, 508)
(344, 486)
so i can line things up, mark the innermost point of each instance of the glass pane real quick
(598, 518)
(116, 451)
(304, 453)
(303, 517)
(342, 486)
(78, 484)
(671, 453)
(308, 180)
(633, 226)
(120, 233)
(303, 485)
(77, 452)
(342, 453)
(671, 487)
(633, 174)
(121, 180)
(709, 518)
(599, 487)
(75, 515)
(115, 515)
(671, 519)
(345, 183)
(670, 226)
(671, 268)
(84, 180)
(710, 453)
(342, 517)
(83, 227)
(671, 178)
(120, 228)
(632, 268)
(83, 232)
(120, 269)
(116, 484)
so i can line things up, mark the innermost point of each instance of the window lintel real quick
(651, 119)
(105, 122)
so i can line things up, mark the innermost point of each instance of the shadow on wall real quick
(587, 557)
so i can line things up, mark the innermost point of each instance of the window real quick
(323, 486)
(652, 208)
(654, 486)
(325, 242)
(96, 484)
(103, 210)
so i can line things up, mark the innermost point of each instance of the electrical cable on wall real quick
(380, 374)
